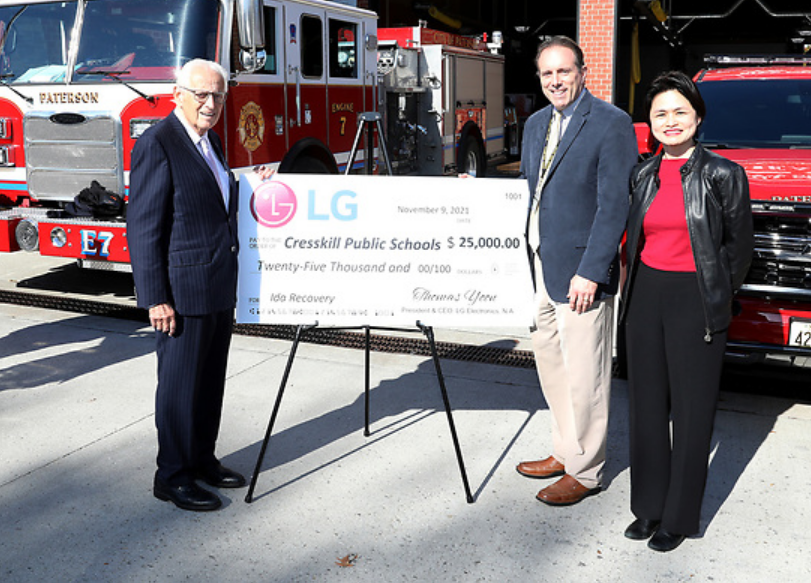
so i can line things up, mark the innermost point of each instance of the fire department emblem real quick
(251, 126)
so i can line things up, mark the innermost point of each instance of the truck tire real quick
(308, 156)
(309, 165)
(471, 157)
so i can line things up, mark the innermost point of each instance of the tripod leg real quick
(429, 334)
(369, 156)
(381, 144)
(299, 332)
(354, 151)
(366, 431)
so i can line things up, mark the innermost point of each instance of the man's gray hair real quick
(184, 75)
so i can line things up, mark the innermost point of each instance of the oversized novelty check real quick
(383, 251)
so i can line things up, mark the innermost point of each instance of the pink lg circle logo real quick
(273, 204)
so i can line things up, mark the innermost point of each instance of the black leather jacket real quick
(719, 219)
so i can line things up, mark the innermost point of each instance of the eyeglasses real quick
(202, 96)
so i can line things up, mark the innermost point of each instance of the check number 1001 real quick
(800, 333)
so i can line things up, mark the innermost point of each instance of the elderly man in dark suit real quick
(182, 231)
(577, 156)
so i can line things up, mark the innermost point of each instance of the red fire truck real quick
(81, 80)
(759, 115)
(443, 100)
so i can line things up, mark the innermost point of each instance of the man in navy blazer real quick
(577, 157)
(182, 232)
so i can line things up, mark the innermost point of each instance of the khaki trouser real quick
(573, 358)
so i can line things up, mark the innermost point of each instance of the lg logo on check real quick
(274, 204)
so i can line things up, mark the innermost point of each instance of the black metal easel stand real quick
(300, 332)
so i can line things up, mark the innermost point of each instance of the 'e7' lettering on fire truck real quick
(96, 243)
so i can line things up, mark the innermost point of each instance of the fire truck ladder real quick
(369, 121)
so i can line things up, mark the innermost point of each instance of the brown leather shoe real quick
(565, 492)
(548, 468)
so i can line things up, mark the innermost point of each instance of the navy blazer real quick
(585, 199)
(183, 242)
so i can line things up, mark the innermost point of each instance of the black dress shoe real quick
(640, 529)
(187, 496)
(664, 541)
(221, 477)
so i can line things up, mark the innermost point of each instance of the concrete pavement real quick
(78, 445)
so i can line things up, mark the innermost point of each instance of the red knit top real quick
(667, 240)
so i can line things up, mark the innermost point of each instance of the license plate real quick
(800, 333)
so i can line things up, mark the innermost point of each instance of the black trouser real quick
(673, 374)
(188, 404)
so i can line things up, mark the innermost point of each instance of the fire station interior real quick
(671, 34)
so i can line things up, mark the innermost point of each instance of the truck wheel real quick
(471, 157)
(27, 235)
(308, 165)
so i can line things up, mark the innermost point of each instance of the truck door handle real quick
(295, 70)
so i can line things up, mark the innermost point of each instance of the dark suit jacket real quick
(584, 204)
(183, 243)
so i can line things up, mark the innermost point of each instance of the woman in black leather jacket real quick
(689, 244)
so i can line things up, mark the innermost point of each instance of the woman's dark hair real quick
(675, 81)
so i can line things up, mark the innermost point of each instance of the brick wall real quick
(596, 35)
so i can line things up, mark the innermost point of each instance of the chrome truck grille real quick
(781, 264)
(65, 152)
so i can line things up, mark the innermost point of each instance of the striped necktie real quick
(549, 150)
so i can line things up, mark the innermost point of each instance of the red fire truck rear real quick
(80, 80)
(443, 100)
(759, 115)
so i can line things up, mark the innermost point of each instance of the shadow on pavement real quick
(90, 282)
(394, 405)
(109, 348)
